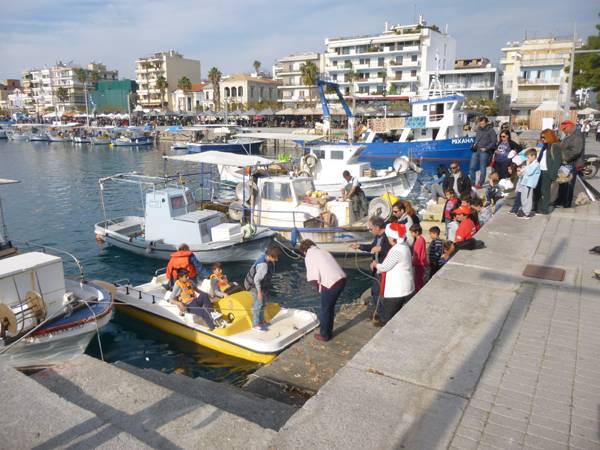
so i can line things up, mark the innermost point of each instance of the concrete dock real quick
(484, 357)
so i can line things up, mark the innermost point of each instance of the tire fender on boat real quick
(401, 164)
(309, 161)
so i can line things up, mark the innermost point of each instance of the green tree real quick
(161, 85)
(352, 76)
(309, 73)
(184, 84)
(383, 75)
(81, 75)
(214, 76)
(256, 64)
(94, 76)
(62, 95)
(484, 106)
(393, 90)
(586, 72)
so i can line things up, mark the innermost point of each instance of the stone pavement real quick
(483, 357)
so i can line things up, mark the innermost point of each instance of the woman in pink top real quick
(323, 271)
(419, 257)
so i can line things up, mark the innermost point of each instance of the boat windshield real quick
(301, 187)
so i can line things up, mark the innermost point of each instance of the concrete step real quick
(265, 412)
(153, 414)
(32, 416)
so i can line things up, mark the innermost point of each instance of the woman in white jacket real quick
(397, 281)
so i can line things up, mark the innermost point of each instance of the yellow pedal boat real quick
(236, 337)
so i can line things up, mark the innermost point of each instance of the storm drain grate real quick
(544, 272)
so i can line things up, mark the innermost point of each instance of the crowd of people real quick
(401, 260)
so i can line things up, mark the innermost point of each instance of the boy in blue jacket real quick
(528, 183)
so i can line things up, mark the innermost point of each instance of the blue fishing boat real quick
(431, 136)
(218, 138)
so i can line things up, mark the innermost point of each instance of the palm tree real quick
(309, 74)
(383, 75)
(214, 75)
(62, 95)
(94, 76)
(184, 84)
(82, 76)
(161, 85)
(256, 64)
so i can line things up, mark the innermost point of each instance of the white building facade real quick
(394, 64)
(293, 91)
(197, 99)
(170, 65)
(474, 78)
(40, 86)
(241, 90)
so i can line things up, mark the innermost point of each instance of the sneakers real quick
(320, 338)
(261, 328)
(510, 211)
(526, 216)
(520, 214)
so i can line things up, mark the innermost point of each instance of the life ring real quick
(310, 161)
(401, 164)
(243, 191)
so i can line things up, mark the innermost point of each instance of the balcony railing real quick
(539, 81)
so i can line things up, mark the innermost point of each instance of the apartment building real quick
(244, 90)
(40, 86)
(536, 71)
(288, 71)
(394, 64)
(8, 87)
(472, 77)
(172, 66)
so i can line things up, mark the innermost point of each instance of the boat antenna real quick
(435, 87)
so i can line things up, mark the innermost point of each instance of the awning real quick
(281, 136)
(223, 159)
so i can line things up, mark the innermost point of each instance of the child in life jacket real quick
(189, 298)
(219, 284)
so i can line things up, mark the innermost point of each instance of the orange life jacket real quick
(187, 293)
(222, 282)
(180, 260)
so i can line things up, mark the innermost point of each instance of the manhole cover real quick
(544, 272)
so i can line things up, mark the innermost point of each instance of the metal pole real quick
(87, 114)
(571, 70)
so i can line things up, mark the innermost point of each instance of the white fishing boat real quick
(101, 136)
(326, 163)
(61, 133)
(19, 132)
(289, 205)
(233, 334)
(171, 217)
(45, 319)
(4, 126)
(133, 137)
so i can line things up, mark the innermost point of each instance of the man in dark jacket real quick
(572, 148)
(379, 248)
(459, 183)
(483, 148)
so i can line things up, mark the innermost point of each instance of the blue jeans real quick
(202, 306)
(258, 308)
(479, 159)
(328, 299)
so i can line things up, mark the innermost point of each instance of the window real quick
(177, 202)
(334, 77)
(380, 62)
(413, 73)
(233, 92)
(413, 58)
(227, 92)
(337, 154)
(424, 107)
(301, 187)
(277, 192)
(240, 91)
(251, 91)
(319, 153)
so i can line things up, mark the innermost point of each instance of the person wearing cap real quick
(184, 296)
(572, 149)
(483, 148)
(466, 227)
(397, 280)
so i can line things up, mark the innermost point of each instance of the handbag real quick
(564, 174)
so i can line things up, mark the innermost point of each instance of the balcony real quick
(539, 82)
(528, 61)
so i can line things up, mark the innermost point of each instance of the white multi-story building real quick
(197, 99)
(41, 86)
(394, 64)
(172, 66)
(535, 71)
(474, 78)
(292, 90)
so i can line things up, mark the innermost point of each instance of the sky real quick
(231, 34)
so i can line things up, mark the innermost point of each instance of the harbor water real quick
(57, 203)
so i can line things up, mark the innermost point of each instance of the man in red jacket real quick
(184, 258)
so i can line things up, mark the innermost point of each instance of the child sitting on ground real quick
(484, 213)
(493, 193)
(436, 247)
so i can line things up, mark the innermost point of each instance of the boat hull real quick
(428, 154)
(221, 251)
(251, 147)
(135, 142)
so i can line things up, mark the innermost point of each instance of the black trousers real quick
(328, 299)
(391, 305)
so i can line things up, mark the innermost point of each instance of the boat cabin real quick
(332, 160)
(171, 216)
(434, 118)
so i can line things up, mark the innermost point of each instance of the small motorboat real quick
(233, 334)
(38, 133)
(101, 136)
(18, 132)
(171, 217)
(133, 137)
(179, 145)
(46, 319)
